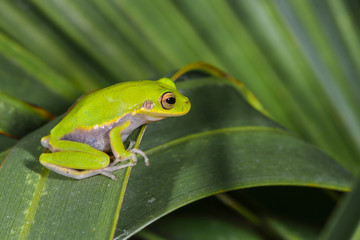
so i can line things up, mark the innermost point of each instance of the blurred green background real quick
(301, 58)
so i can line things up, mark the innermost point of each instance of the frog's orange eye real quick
(168, 100)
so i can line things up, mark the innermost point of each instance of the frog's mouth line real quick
(162, 114)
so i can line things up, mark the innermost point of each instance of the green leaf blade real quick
(240, 158)
(222, 144)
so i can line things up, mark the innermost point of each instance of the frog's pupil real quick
(170, 100)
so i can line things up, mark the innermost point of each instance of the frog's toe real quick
(117, 160)
(108, 174)
(108, 170)
(138, 151)
(133, 157)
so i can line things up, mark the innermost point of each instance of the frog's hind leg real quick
(69, 158)
(78, 174)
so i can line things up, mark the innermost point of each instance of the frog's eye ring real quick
(168, 100)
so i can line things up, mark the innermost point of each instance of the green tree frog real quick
(101, 121)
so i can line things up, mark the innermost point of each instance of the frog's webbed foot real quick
(138, 151)
(135, 151)
(133, 157)
(107, 171)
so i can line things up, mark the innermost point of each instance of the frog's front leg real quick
(118, 149)
(76, 160)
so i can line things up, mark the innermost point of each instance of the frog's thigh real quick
(75, 155)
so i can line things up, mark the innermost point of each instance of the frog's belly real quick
(98, 137)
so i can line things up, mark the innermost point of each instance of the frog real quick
(89, 139)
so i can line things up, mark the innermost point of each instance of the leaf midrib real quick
(34, 204)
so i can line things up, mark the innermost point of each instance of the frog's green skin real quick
(101, 121)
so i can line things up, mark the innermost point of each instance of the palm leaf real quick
(300, 58)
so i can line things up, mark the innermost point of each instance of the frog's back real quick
(96, 108)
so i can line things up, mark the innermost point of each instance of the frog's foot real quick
(107, 171)
(133, 157)
(138, 151)
(135, 150)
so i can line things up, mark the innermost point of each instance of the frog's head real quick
(166, 101)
